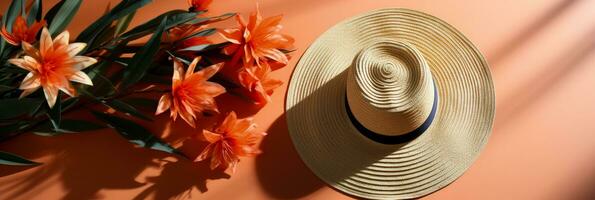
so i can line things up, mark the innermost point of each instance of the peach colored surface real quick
(542, 57)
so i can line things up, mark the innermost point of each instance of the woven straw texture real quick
(332, 147)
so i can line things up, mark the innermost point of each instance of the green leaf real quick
(208, 20)
(126, 108)
(12, 159)
(35, 12)
(38, 110)
(123, 23)
(204, 47)
(2, 45)
(68, 103)
(202, 33)
(49, 16)
(137, 67)
(135, 133)
(174, 18)
(55, 113)
(4, 88)
(180, 58)
(67, 126)
(8, 130)
(199, 47)
(7, 20)
(63, 16)
(11, 13)
(102, 86)
(11, 108)
(121, 10)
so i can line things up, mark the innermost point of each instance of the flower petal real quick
(81, 77)
(62, 39)
(216, 159)
(192, 66)
(19, 63)
(276, 55)
(28, 92)
(82, 62)
(164, 104)
(45, 42)
(232, 35)
(188, 118)
(208, 72)
(205, 153)
(230, 49)
(259, 95)
(212, 89)
(30, 50)
(68, 89)
(242, 126)
(51, 93)
(30, 81)
(11, 39)
(34, 29)
(228, 122)
(254, 19)
(210, 136)
(269, 23)
(178, 70)
(75, 48)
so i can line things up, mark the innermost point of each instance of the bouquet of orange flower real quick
(46, 73)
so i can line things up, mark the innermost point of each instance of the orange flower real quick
(258, 83)
(257, 41)
(53, 65)
(21, 32)
(196, 5)
(183, 31)
(191, 92)
(230, 140)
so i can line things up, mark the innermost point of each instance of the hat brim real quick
(335, 151)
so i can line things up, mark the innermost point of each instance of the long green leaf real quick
(63, 16)
(11, 13)
(12, 159)
(126, 109)
(202, 33)
(9, 130)
(35, 12)
(11, 108)
(123, 23)
(4, 88)
(67, 126)
(121, 10)
(135, 133)
(174, 18)
(55, 113)
(137, 67)
(208, 20)
(49, 16)
(204, 47)
(7, 20)
(68, 103)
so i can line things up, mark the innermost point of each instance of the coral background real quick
(542, 57)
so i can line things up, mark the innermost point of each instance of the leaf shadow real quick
(84, 164)
(177, 179)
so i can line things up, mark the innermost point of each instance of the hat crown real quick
(390, 89)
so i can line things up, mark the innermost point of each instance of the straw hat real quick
(390, 104)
